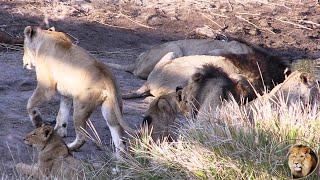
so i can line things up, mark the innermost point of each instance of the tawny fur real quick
(146, 62)
(54, 158)
(78, 77)
(161, 117)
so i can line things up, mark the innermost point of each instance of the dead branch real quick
(208, 18)
(136, 22)
(241, 18)
(294, 24)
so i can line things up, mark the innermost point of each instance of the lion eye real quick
(302, 156)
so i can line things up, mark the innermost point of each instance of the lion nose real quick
(147, 120)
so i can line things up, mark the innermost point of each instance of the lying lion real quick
(161, 117)
(54, 158)
(145, 63)
(169, 74)
(298, 87)
(302, 161)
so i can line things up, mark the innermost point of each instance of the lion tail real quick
(116, 106)
(128, 68)
(143, 91)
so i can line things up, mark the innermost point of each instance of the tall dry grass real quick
(228, 144)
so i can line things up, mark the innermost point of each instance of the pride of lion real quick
(186, 77)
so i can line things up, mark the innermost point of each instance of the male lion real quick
(145, 63)
(260, 71)
(161, 117)
(68, 69)
(54, 158)
(302, 161)
(206, 90)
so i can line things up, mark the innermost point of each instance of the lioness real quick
(161, 116)
(302, 161)
(145, 63)
(54, 158)
(78, 77)
(298, 87)
(206, 90)
(169, 74)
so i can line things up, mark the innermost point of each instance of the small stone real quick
(26, 85)
(253, 32)
(263, 23)
(205, 31)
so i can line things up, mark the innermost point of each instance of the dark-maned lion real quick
(145, 63)
(260, 70)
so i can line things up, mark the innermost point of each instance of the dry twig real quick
(241, 18)
(15, 47)
(136, 22)
(294, 24)
(208, 18)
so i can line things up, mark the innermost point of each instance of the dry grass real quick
(227, 145)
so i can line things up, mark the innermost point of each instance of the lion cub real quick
(54, 158)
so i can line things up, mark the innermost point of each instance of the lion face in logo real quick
(302, 161)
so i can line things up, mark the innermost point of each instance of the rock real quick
(253, 32)
(26, 85)
(205, 31)
(263, 23)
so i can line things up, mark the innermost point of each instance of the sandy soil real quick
(119, 32)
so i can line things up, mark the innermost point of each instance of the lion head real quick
(161, 116)
(39, 137)
(192, 96)
(302, 160)
(298, 87)
(35, 37)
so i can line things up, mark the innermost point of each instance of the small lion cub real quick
(54, 159)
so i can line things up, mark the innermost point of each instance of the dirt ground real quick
(118, 31)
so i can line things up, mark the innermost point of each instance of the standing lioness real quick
(68, 69)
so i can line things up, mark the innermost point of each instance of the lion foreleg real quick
(39, 96)
(63, 116)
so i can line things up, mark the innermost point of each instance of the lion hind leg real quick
(109, 112)
(114, 125)
(81, 113)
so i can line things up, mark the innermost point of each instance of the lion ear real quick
(304, 78)
(179, 93)
(52, 29)
(46, 131)
(163, 105)
(197, 77)
(29, 32)
(307, 150)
